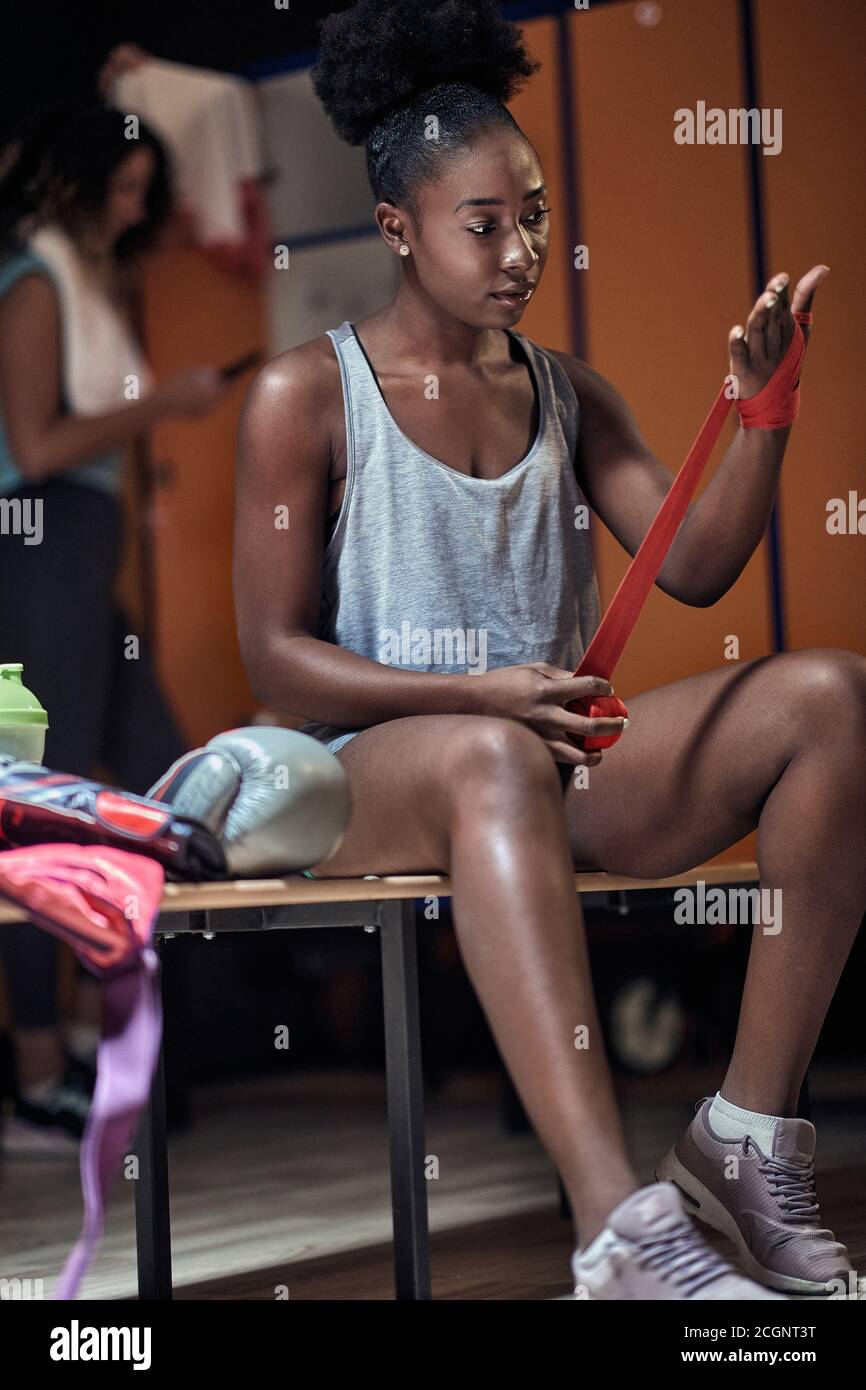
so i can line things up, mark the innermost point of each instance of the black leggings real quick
(59, 617)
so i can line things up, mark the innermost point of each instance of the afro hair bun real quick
(379, 54)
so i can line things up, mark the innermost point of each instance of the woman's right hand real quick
(194, 392)
(536, 694)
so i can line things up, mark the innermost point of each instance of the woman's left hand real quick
(757, 350)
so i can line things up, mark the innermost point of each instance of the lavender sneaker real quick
(769, 1210)
(650, 1249)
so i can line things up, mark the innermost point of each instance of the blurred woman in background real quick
(81, 197)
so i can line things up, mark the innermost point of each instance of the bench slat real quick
(294, 888)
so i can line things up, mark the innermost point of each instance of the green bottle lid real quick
(18, 705)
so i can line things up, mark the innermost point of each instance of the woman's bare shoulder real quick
(599, 398)
(307, 375)
(33, 292)
(582, 376)
(295, 397)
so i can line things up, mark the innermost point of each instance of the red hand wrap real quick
(775, 405)
(778, 403)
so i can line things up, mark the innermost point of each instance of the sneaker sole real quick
(700, 1202)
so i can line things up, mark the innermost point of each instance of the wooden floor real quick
(284, 1185)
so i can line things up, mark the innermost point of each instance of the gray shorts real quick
(328, 735)
(333, 744)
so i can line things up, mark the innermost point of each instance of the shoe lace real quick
(687, 1259)
(792, 1183)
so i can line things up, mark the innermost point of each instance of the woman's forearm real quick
(74, 439)
(725, 525)
(723, 528)
(322, 682)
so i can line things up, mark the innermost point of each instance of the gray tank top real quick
(431, 570)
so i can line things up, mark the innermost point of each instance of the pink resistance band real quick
(777, 404)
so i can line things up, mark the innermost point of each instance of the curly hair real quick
(387, 66)
(61, 171)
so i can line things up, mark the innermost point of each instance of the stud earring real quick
(404, 249)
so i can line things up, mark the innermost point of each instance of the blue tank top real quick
(102, 472)
(434, 571)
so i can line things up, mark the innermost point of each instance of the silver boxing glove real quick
(277, 800)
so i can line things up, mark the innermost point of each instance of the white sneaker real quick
(651, 1249)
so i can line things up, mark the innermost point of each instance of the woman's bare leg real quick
(481, 800)
(778, 743)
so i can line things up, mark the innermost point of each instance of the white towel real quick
(210, 124)
(103, 366)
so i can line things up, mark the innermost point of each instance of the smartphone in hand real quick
(233, 369)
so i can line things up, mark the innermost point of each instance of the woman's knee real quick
(436, 768)
(829, 691)
(489, 752)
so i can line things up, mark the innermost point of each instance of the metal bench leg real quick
(405, 1086)
(152, 1226)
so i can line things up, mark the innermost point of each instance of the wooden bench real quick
(385, 904)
